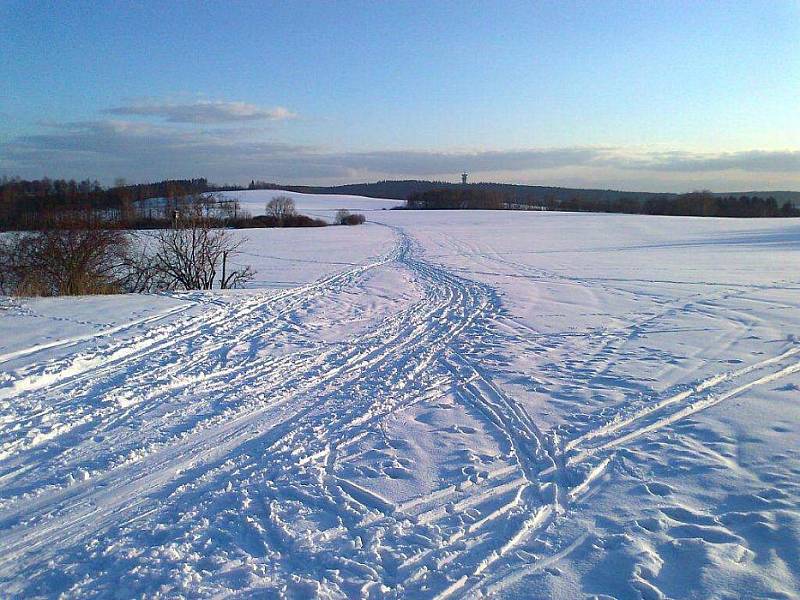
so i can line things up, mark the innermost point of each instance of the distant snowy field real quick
(433, 404)
(318, 205)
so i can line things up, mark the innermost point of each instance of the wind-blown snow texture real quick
(431, 405)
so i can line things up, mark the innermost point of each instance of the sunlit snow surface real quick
(433, 404)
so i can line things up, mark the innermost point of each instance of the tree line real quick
(35, 204)
(80, 252)
(82, 255)
(455, 198)
(56, 203)
(573, 199)
(38, 204)
(697, 204)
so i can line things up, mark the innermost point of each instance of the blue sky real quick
(628, 95)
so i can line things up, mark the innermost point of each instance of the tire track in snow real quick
(581, 483)
(301, 411)
(679, 406)
(400, 365)
(603, 441)
(65, 343)
(225, 435)
(417, 338)
(149, 362)
(53, 374)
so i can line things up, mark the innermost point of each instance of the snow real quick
(430, 405)
(315, 205)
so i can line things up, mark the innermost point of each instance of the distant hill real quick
(523, 194)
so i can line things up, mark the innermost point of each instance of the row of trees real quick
(706, 204)
(84, 256)
(57, 203)
(281, 212)
(700, 204)
(36, 204)
(345, 217)
(457, 198)
(694, 204)
(80, 252)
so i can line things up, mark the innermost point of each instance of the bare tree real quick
(83, 256)
(139, 274)
(233, 278)
(229, 208)
(345, 217)
(342, 216)
(281, 208)
(189, 257)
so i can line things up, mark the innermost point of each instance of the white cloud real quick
(204, 111)
(145, 151)
(750, 160)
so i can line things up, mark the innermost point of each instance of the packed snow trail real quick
(132, 464)
(209, 456)
(128, 456)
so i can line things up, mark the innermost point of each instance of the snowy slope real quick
(437, 404)
(317, 205)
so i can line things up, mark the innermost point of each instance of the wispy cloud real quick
(203, 111)
(687, 162)
(145, 150)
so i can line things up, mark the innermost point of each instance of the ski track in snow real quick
(103, 453)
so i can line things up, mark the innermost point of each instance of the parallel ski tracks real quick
(417, 354)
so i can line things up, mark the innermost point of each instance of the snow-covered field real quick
(322, 205)
(433, 404)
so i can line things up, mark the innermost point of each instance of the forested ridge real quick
(32, 204)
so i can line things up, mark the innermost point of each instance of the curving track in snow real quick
(196, 458)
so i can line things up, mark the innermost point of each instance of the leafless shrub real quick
(344, 217)
(293, 221)
(82, 255)
(188, 257)
(281, 208)
(76, 257)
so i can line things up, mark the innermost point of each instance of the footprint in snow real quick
(397, 444)
(473, 474)
(781, 429)
(397, 472)
(651, 524)
(657, 489)
(461, 429)
(682, 514)
(712, 535)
